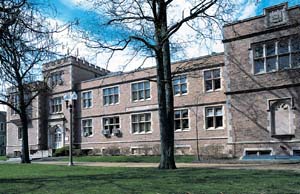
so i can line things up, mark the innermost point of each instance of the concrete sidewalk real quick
(262, 166)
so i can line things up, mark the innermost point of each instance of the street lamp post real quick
(70, 99)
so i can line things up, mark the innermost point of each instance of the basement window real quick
(258, 153)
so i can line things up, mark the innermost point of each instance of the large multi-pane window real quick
(140, 91)
(87, 98)
(56, 78)
(2, 140)
(2, 126)
(111, 95)
(111, 123)
(214, 117)
(15, 102)
(56, 104)
(212, 80)
(277, 55)
(141, 123)
(20, 132)
(87, 127)
(180, 85)
(181, 119)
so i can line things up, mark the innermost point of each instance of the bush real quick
(64, 151)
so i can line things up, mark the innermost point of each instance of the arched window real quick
(282, 117)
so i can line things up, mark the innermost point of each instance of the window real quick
(214, 117)
(15, 102)
(140, 91)
(180, 85)
(87, 127)
(56, 105)
(181, 119)
(111, 95)
(20, 133)
(212, 79)
(2, 126)
(255, 153)
(2, 140)
(277, 55)
(56, 78)
(141, 123)
(87, 99)
(281, 117)
(111, 123)
(296, 152)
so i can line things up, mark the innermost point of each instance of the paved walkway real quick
(262, 166)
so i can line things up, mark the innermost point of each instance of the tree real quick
(145, 25)
(25, 41)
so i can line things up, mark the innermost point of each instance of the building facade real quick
(240, 103)
(2, 133)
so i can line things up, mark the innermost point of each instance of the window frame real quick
(114, 124)
(213, 79)
(15, 99)
(20, 133)
(180, 85)
(277, 55)
(138, 114)
(83, 127)
(182, 118)
(2, 126)
(4, 140)
(137, 91)
(103, 95)
(56, 77)
(214, 118)
(55, 106)
(83, 99)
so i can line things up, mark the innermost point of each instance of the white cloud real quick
(247, 10)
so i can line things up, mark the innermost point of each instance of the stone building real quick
(240, 103)
(262, 60)
(2, 133)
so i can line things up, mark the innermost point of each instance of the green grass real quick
(3, 158)
(138, 159)
(35, 178)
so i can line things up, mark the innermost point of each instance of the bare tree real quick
(25, 42)
(148, 26)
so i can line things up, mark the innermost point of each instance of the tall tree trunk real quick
(24, 122)
(165, 92)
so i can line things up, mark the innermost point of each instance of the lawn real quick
(41, 178)
(2, 158)
(137, 159)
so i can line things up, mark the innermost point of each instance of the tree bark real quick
(165, 91)
(24, 121)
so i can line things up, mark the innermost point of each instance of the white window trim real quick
(92, 98)
(223, 119)
(187, 129)
(221, 80)
(82, 131)
(263, 43)
(102, 124)
(53, 97)
(150, 85)
(143, 133)
(258, 149)
(119, 94)
(187, 84)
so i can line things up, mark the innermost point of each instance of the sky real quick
(80, 10)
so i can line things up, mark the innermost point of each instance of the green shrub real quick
(64, 151)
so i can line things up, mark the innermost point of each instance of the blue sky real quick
(70, 10)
